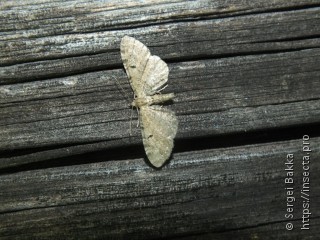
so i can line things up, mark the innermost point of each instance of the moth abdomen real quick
(160, 98)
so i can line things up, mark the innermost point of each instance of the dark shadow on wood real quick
(181, 145)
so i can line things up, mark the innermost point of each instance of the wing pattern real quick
(148, 75)
(134, 56)
(159, 127)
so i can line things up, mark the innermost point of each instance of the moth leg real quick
(138, 123)
(130, 133)
(131, 116)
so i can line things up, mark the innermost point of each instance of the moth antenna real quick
(128, 100)
(122, 90)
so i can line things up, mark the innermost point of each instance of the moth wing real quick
(159, 127)
(155, 75)
(134, 56)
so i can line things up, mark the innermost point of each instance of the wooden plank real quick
(40, 18)
(215, 192)
(244, 72)
(56, 56)
(232, 95)
(221, 85)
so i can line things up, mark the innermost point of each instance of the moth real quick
(148, 75)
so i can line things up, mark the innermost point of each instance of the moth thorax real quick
(139, 102)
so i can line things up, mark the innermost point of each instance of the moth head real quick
(133, 104)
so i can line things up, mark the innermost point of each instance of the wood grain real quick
(232, 95)
(237, 191)
(63, 55)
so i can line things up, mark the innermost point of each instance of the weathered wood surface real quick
(243, 72)
(233, 191)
